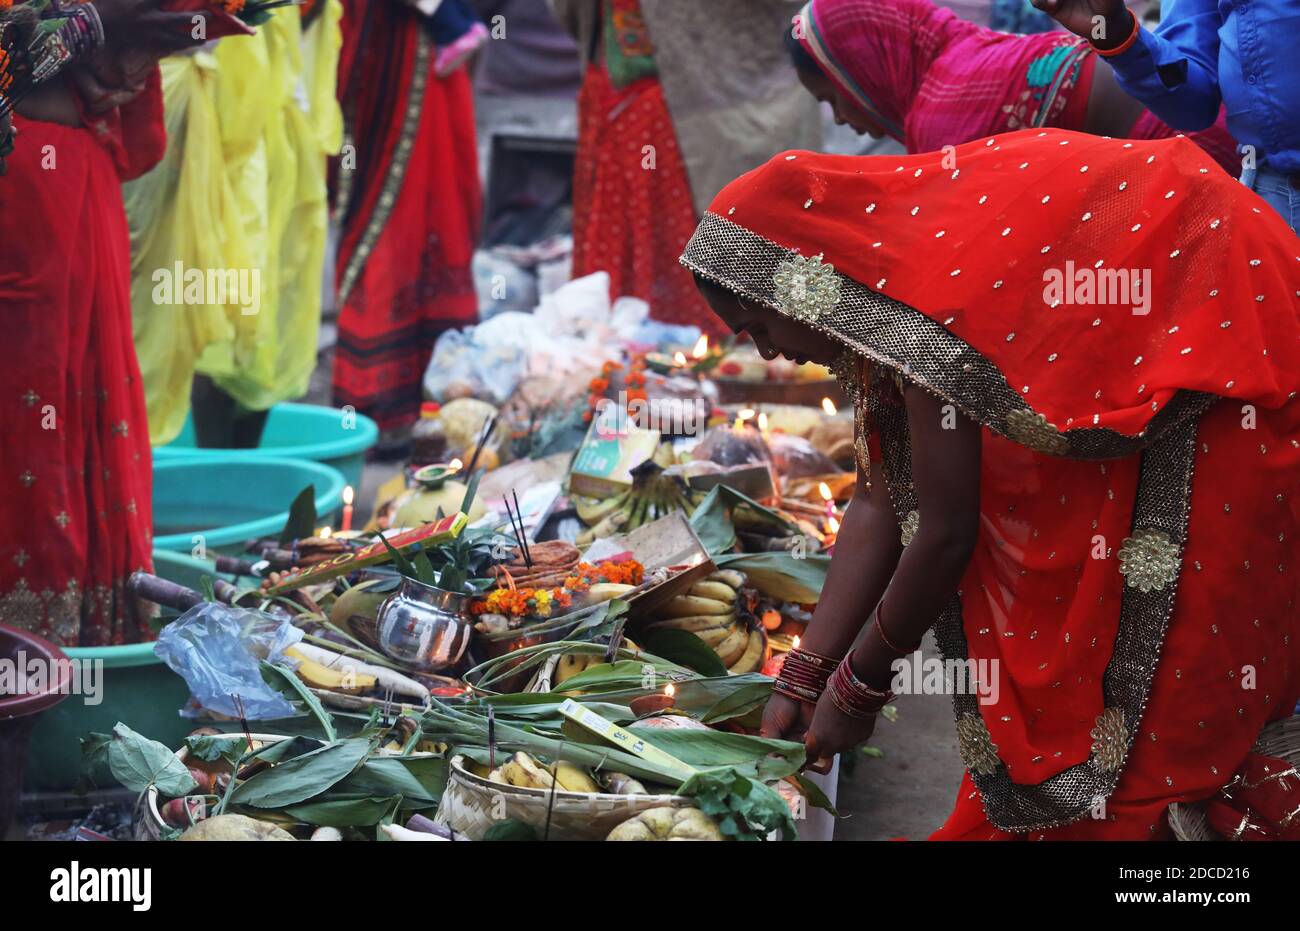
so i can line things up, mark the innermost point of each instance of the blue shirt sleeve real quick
(1174, 71)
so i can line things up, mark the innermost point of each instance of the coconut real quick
(235, 827)
(420, 505)
(668, 823)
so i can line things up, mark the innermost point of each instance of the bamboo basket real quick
(471, 804)
(1280, 739)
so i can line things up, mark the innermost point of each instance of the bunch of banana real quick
(711, 610)
(529, 773)
(653, 495)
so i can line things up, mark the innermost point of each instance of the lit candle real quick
(833, 524)
(829, 407)
(762, 424)
(326, 533)
(701, 347)
(741, 417)
(679, 358)
(347, 509)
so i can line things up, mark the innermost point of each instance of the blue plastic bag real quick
(218, 650)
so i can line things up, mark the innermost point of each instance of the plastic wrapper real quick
(468, 364)
(218, 649)
(731, 446)
(502, 285)
(795, 457)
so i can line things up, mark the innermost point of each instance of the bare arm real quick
(945, 472)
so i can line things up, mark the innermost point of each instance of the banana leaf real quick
(713, 523)
(763, 758)
(781, 575)
(344, 811)
(302, 777)
(302, 517)
(286, 683)
(686, 649)
(419, 780)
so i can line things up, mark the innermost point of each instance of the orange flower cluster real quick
(233, 7)
(543, 602)
(634, 386)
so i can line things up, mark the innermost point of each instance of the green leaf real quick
(685, 649)
(470, 491)
(138, 762)
(744, 808)
(813, 792)
(343, 811)
(763, 758)
(302, 777)
(711, 522)
(510, 830)
(209, 748)
(419, 780)
(94, 756)
(284, 681)
(302, 517)
(782, 576)
(400, 562)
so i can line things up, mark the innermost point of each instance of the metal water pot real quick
(424, 627)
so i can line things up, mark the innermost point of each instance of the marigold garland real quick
(542, 602)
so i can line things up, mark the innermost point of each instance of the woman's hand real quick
(112, 79)
(1105, 23)
(833, 732)
(144, 24)
(785, 718)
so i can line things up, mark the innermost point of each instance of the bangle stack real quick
(804, 675)
(852, 696)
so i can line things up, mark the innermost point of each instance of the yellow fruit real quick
(421, 505)
(570, 664)
(524, 771)
(733, 647)
(357, 601)
(752, 659)
(690, 605)
(693, 624)
(606, 591)
(667, 823)
(714, 637)
(235, 827)
(323, 677)
(718, 591)
(573, 779)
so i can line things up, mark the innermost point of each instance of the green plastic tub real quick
(136, 688)
(229, 499)
(295, 431)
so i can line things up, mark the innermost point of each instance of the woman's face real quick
(774, 334)
(847, 113)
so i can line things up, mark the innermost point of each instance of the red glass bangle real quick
(852, 696)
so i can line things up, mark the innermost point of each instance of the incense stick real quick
(528, 553)
(489, 424)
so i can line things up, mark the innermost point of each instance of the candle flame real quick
(348, 494)
(745, 414)
(679, 358)
(829, 407)
(833, 525)
(669, 690)
(701, 347)
(762, 422)
(455, 465)
(796, 641)
(326, 532)
(825, 491)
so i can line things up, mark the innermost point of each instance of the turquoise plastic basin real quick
(230, 499)
(295, 431)
(136, 689)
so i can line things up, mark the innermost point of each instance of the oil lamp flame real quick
(669, 690)
(679, 358)
(829, 407)
(701, 347)
(825, 491)
(326, 533)
(795, 644)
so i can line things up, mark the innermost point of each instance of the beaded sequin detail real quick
(806, 288)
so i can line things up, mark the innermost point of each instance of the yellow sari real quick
(241, 189)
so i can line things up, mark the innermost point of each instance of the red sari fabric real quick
(76, 515)
(632, 205)
(1085, 410)
(410, 210)
(934, 79)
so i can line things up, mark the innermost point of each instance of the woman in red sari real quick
(914, 71)
(75, 516)
(1089, 491)
(408, 201)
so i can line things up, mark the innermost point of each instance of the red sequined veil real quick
(1137, 572)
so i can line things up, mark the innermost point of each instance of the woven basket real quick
(471, 804)
(1280, 739)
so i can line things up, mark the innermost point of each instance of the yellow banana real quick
(690, 605)
(718, 591)
(699, 622)
(752, 658)
(573, 779)
(730, 577)
(733, 646)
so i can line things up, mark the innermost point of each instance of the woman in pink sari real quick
(914, 71)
